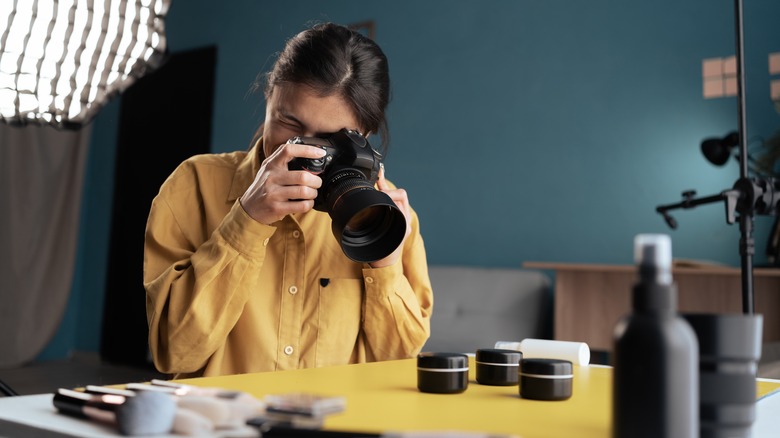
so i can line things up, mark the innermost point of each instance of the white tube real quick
(577, 353)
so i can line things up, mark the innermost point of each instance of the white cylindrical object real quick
(507, 345)
(578, 353)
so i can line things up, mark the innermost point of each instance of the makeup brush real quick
(181, 388)
(147, 413)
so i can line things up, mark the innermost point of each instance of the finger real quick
(401, 199)
(289, 151)
(296, 193)
(381, 182)
(300, 178)
(399, 196)
(307, 151)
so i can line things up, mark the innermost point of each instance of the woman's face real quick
(296, 110)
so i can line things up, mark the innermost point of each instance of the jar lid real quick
(732, 337)
(547, 367)
(442, 360)
(498, 355)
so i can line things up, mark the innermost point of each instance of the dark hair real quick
(335, 60)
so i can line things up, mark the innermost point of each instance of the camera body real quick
(365, 221)
(348, 155)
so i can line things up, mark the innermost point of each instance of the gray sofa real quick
(473, 307)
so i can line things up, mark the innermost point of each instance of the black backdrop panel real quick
(165, 117)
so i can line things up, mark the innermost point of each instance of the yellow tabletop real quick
(383, 397)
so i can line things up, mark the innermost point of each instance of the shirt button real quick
(288, 350)
(293, 290)
(265, 242)
(369, 280)
(296, 234)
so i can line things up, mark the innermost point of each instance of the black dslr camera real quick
(366, 222)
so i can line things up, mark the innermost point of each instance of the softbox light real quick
(62, 60)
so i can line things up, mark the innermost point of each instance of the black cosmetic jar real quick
(498, 367)
(442, 373)
(546, 379)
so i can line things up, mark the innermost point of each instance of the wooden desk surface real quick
(591, 298)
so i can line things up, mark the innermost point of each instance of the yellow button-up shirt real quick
(226, 294)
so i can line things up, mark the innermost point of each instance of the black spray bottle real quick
(655, 391)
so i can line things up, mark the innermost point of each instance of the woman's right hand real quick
(277, 191)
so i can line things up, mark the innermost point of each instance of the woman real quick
(243, 275)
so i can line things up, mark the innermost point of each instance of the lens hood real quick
(367, 224)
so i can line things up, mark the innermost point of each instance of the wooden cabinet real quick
(591, 298)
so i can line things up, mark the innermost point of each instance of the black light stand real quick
(749, 196)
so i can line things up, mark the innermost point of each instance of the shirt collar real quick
(246, 171)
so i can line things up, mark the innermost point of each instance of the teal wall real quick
(523, 130)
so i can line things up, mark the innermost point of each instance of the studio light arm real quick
(748, 197)
(690, 202)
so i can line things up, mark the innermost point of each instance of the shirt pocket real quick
(340, 308)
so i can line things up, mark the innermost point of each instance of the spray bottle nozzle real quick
(653, 256)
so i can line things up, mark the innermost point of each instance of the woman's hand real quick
(401, 200)
(278, 191)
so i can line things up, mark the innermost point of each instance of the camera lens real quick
(366, 222)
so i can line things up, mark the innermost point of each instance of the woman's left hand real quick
(401, 200)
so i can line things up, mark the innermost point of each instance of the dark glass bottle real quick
(655, 391)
